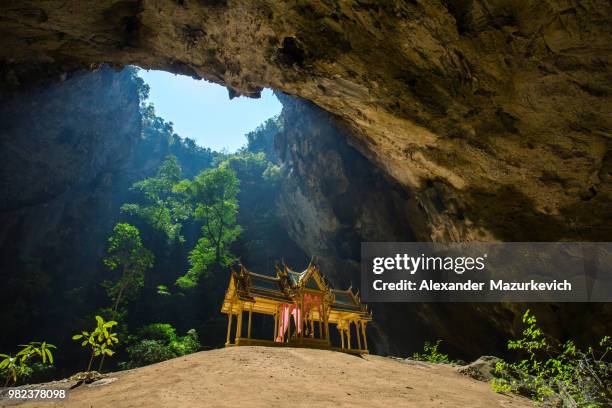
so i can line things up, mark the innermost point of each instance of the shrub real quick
(551, 371)
(159, 342)
(431, 354)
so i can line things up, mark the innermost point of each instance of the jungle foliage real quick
(164, 209)
(431, 353)
(158, 342)
(554, 372)
(131, 259)
(213, 195)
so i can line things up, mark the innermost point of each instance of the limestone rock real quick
(482, 369)
(495, 115)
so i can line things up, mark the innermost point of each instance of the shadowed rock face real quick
(333, 199)
(65, 155)
(495, 115)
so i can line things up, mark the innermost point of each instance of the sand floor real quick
(286, 377)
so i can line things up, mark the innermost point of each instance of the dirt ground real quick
(286, 377)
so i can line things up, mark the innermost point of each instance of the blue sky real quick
(202, 111)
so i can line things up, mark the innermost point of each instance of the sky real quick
(203, 111)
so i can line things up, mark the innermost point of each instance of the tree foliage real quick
(213, 195)
(431, 354)
(164, 210)
(552, 371)
(262, 138)
(159, 342)
(127, 255)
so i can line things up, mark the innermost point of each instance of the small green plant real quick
(99, 340)
(552, 371)
(163, 290)
(431, 354)
(35, 348)
(13, 368)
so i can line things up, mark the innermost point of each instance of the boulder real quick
(482, 369)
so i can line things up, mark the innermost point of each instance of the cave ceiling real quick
(495, 115)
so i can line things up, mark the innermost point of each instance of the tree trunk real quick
(101, 363)
(116, 305)
(114, 315)
(90, 361)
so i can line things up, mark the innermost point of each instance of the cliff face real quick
(494, 114)
(63, 150)
(332, 199)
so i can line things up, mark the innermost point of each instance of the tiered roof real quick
(286, 286)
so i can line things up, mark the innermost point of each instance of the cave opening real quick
(204, 112)
(97, 143)
(103, 154)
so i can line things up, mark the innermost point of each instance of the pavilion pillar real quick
(250, 317)
(229, 327)
(239, 324)
(342, 337)
(289, 329)
(320, 329)
(363, 332)
(348, 334)
(300, 331)
(326, 321)
(276, 328)
(358, 336)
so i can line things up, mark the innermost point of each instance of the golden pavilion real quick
(303, 305)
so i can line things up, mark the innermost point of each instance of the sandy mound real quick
(282, 377)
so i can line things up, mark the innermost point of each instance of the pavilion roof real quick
(286, 285)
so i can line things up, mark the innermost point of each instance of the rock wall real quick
(495, 114)
(333, 198)
(63, 155)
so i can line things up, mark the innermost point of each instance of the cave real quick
(451, 121)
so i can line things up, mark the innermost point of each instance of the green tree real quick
(98, 340)
(214, 197)
(253, 169)
(262, 138)
(127, 255)
(164, 210)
